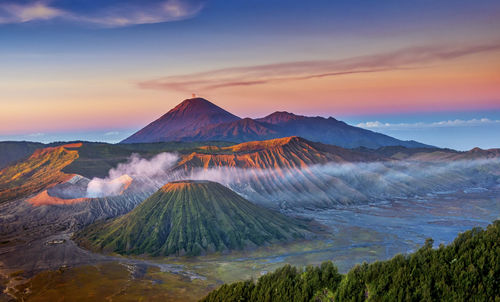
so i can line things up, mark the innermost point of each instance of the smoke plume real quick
(135, 169)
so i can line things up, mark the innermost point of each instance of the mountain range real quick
(197, 119)
(269, 172)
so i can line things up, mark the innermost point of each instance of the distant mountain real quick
(191, 217)
(331, 131)
(183, 120)
(199, 120)
(431, 154)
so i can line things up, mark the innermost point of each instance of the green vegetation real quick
(191, 218)
(285, 284)
(466, 270)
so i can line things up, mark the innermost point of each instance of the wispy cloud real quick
(16, 13)
(408, 58)
(111, 133)
(101, 13)
(449, 123)
(38, 134)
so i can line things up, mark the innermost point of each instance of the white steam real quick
(136, 168)
(316, 185)
(99, 187)
(347, 183)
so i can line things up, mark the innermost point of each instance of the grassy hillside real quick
(466, 270)
(190, 217)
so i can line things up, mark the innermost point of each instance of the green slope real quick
(190, 217)
(466, 270)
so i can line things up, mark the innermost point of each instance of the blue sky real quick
(99, 70)
(455, 130)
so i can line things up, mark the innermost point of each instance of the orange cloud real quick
(403, 59)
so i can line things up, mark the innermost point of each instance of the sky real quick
(101, 70)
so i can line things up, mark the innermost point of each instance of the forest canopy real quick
(466, 270)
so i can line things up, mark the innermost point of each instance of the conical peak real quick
(187, 184)
(196, 100)
(195, 104)
(192, 217)
(194, 108)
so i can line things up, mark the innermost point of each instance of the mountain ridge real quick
(280, 153)
(198, 119)
(42, 169)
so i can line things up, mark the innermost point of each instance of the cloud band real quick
(101, 13)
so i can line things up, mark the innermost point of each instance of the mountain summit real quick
(187, 117)
(197, 119)
(279, 117)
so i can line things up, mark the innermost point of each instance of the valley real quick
(175, 220)
(249, 151)
(354, 233)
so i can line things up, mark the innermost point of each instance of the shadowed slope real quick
(10, 152)
(199, 120)
(243, 130)
(191, 217)
(331, 131)
(40, 170)
(185, 118)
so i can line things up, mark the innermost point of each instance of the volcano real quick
(199, 120)
(183, 120)
(191, 218)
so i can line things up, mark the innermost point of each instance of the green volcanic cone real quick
(191, 217)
